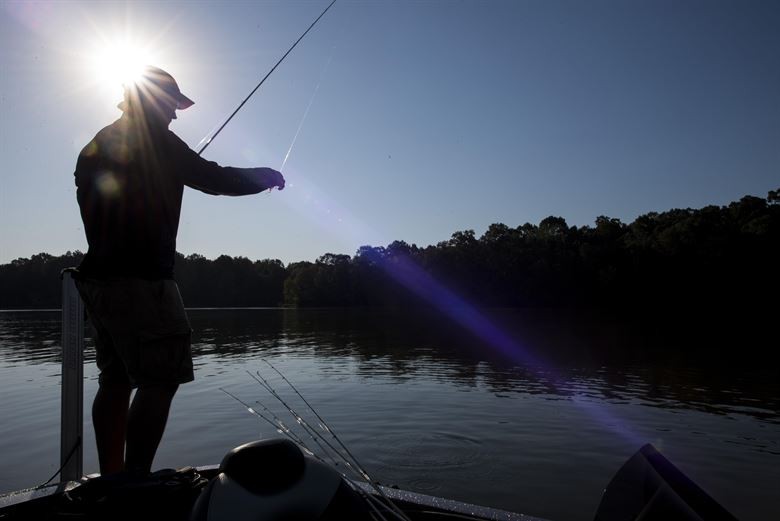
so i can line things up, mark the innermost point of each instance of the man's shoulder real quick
(106, 134)
(109, 131)
(176, 141)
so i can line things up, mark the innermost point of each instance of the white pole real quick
(72, 419)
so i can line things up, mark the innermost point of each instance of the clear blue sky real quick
(430, 117)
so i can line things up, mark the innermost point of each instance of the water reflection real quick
(29, 337)
(593, 357)
(426, 406)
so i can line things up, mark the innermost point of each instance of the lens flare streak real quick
(406, 272)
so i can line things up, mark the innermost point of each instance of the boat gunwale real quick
(405, 499)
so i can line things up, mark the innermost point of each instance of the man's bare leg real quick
(109, 418)
(146, 424)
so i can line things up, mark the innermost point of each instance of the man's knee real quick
(161, 390)
(117, 389)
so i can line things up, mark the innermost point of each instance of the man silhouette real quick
(130, 180)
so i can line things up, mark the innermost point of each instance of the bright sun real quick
(119, 63)
(113, 55)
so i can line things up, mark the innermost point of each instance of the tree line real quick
(725, 256)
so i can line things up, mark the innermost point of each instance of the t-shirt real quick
(130, 179)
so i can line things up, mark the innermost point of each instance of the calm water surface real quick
(429, 408)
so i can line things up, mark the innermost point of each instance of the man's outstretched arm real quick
(211, 178)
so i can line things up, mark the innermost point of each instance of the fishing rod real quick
(360, 470)
(354, 466)
(282, 429)
(209, 140)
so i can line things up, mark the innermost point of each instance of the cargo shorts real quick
(143, 333)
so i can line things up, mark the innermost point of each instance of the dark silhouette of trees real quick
(34, 283)
(230, 281)
(714, 257)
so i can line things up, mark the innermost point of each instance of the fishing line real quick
(208, 142)
(306, 112)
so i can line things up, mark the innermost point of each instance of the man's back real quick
(130, 191)
(130, 181)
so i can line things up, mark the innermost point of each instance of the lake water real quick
(428, 407)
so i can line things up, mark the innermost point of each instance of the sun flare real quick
(115, 55)
(119, 63)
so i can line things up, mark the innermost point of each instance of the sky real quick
(421, 118)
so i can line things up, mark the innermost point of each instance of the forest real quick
(713, 257)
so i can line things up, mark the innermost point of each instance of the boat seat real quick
(273, 480)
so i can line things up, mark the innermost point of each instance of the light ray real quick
(109, 53)
(306, 112)
(325, 212)
(121, 62)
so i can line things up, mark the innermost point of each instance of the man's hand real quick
(278, 180)
(272, 179)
